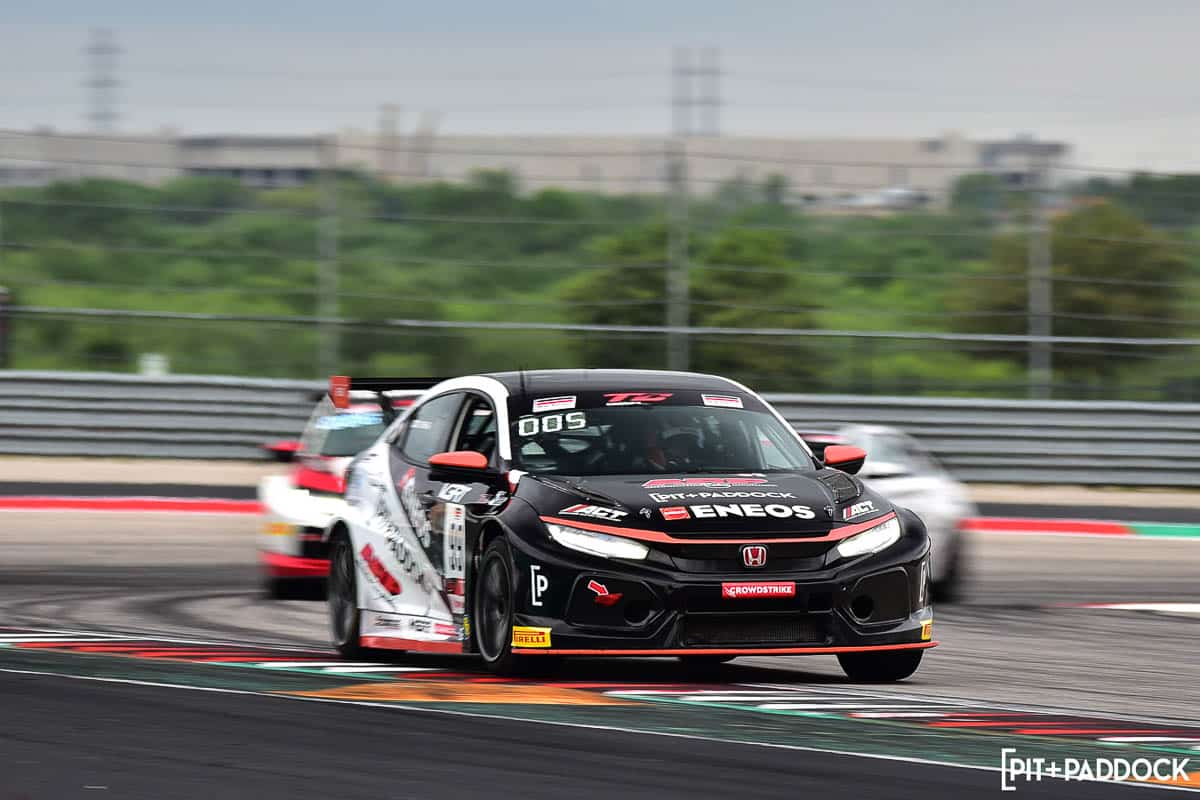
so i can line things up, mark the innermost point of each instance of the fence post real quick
(327, 250)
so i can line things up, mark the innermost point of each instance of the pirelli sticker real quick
(926, 629)
(530, 637)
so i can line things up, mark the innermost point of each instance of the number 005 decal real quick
(551, 423)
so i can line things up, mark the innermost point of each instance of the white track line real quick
(557, 723)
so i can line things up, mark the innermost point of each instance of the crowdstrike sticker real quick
(738, 591)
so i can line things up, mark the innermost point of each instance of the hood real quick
(716, 504)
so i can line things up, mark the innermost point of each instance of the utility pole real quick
(389, 140)
(677, 278)
(102, 52)
(327, 251)
(709, 101)
(1040, 312)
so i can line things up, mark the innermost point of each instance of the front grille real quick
(708, 630)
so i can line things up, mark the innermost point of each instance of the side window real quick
(478, 428)
(429, 428)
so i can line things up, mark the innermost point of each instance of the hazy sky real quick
(1112, 78)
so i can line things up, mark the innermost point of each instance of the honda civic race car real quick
(297, 507)
(619, 513)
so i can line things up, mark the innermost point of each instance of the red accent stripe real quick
(278, 565)
(713, 651)
(318, 481)
(172, 504)
(416, 645)
(1031, 525)
(658, 536)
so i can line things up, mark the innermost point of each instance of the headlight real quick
(597, 544)
(872, 540)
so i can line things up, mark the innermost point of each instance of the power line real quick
(691, 330)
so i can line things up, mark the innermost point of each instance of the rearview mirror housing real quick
(459, 460)
(845, 457)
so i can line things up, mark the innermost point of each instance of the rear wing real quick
(340, 387)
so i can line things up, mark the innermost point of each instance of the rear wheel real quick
(342, 599)
(885, 667)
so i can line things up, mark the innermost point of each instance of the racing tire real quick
(492, 612)
(342, 599)
(885, 667)
(493, 605)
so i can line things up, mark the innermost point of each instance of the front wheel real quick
(343, 599)
(493, 607)
(885, 667)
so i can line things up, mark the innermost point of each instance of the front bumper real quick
(582, 605)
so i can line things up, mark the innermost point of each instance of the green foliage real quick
(483, 250)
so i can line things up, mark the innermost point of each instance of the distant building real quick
(845, 174)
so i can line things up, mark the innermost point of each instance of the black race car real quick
(523, 515)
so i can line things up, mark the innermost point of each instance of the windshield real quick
(346, 434)
(635, 438)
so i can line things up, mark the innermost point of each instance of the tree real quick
(1112, 277)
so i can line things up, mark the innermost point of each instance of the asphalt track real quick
(1023, 641)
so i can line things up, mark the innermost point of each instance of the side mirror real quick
(283, 451)
(844, 457)
(459, 460)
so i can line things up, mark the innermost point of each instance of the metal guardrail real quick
(1103, 443)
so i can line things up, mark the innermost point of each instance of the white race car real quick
(907, 474)
(298, 506)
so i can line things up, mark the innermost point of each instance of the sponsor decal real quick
(538, 584)
(704, 483)
(754, 555)
(721, 400)
(278, 529)
(634, 398)
(597, 512)
(454, 541)
(741, 591)
(338, 422)
(386, 579)
(388, 621)
(926, 629)
(419, 624)
(739, 510)
(530, 637)
(858, 509)
(603, 596)
(413, 509)
(660, 497)
(551, 423)
(496, 500)
(466, 625)
(560, 403)
(453, 492)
